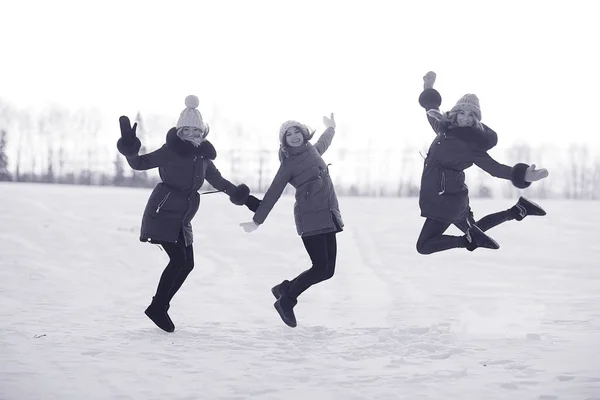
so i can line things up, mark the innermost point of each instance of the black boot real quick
(525, 207)
(157, 312)
(168, 316)
(281, 289)
(285, 307)
(477, 238)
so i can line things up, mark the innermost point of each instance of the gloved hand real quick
(249, 226)
(240, 194)
(329, 122)
(252, 203)
(429, 80)
(127, 131)
(532, 174)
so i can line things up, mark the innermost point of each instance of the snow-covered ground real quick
(521, 323)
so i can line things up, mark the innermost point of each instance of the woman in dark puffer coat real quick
(461, 141)
(183, 162)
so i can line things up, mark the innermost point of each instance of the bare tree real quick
(50, 178)
(140, 178)
(236, 151)
(596, 179)
(61, 157)
(262, 158)
(578, 177)
(406, 185)
(27, 150)
(4, 174)
(47, 129)
(5, 117)
(86, 126)
(542, 189)
(119, 177)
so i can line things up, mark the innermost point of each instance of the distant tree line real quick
(66, 147)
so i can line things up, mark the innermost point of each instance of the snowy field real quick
(522, 322)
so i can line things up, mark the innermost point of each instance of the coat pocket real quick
(314, 196)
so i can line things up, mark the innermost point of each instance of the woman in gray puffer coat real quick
(183, 162)
(316, 210)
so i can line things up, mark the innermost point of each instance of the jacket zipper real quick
(162, 202)
(194, 170)
(443, 184)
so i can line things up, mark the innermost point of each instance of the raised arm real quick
(430, 99)
(325, 139)
(151, 160)
(129, 145)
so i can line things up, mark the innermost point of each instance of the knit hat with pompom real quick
(469, 102)
(190, 116)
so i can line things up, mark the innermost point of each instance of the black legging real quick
(322, 250)
(431, 240)
(181, 263)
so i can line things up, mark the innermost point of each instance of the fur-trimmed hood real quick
(187, 149)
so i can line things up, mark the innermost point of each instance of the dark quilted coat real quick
(443, 194)
(174, 201)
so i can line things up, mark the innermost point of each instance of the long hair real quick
(194, 137)
(449, 119)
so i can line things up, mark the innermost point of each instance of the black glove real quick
(127, 131)
(128, 144)
(252, 203)
(239, 196)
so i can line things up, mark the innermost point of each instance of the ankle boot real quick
(477, 238)
(281, 289)
(285, 307)
(157, 312)
(525, 207)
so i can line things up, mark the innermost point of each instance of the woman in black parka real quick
(183, 162)
(461, 141)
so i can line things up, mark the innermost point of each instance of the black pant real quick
(432, 238)
(181, 263)
(322, 250)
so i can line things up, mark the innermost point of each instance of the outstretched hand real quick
(329, 122)
(249, 226)
(127, 131)
(429, 80)
(532, 174)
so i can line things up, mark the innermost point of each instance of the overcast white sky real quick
(533, 64)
